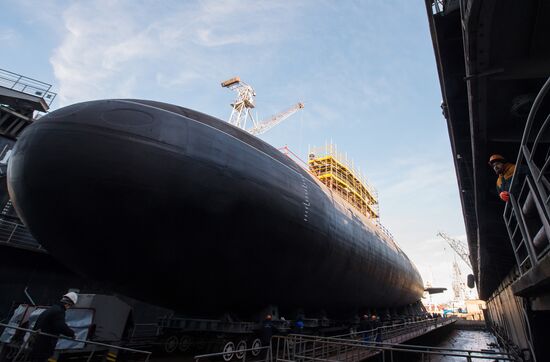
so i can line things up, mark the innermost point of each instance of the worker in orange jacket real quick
(505, 171)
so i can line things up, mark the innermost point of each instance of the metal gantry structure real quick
(241, 112)
(459, 288)
(458, 246)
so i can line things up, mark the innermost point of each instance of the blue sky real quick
(364, 69)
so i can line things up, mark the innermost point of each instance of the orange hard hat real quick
(496, 157)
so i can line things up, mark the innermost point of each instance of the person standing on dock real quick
(52, 321)
(505, 171)
(267, 330)
(377, 325)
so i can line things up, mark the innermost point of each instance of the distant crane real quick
(459, 289)
(459, 247)
(245, 101)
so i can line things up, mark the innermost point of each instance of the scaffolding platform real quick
(338, 173)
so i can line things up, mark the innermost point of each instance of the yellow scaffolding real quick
(338, 174)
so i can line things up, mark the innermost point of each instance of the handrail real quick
(13, 233)
(405, 324)
(529, 183)
(534, 109)
(396, 345)
(219, 354)
(37, 332)
(27, 85)
(315, 348)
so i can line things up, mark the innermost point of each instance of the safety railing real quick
(22, 351)
(27, 85)
(398, 332)
(17, 234)
(309, 348)
(388, 333)
(527, 215)
(257, 354)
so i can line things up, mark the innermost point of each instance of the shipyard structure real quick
(493, 61)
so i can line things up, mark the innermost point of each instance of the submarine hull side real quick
(182, 210)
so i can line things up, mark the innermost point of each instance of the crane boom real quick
(274, 120)
(458, 246)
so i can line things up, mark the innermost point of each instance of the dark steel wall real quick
(183, 210)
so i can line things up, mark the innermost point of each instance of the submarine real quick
(180, 209)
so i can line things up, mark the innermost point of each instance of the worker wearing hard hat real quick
(267, 330)
(52, 321)
(505, 171)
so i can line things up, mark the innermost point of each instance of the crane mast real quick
(245, 101)
(459, 289)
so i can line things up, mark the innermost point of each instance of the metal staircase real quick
(527, 215)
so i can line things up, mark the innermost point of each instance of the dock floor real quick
(467, 339)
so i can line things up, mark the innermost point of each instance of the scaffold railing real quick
(377, 226)
(338, 173)
(27, 85)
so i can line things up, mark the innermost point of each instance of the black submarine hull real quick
(180, 209)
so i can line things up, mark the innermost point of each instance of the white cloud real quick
(420, 178)
(178, 79)
(8, 36)
(109, 47)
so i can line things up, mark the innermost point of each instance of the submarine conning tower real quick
(180, 209)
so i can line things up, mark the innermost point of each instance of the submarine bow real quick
(183, 210)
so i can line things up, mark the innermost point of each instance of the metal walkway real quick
(307, 348)
(383, 342)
